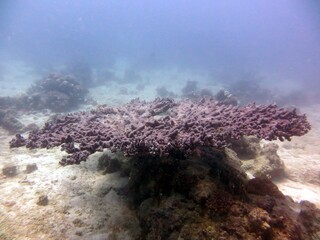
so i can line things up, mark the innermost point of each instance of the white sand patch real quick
(37, 118)
(302, 161)
(300, 191)
(82, 203)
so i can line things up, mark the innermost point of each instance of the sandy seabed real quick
(302, 161)
(81, 201)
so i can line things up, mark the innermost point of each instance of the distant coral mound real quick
(56, 92)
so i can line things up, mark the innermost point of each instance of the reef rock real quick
(9, 170)
(257, 159)
(216, 202)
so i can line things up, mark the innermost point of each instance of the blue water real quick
(217, 43)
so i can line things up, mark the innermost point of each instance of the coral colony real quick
(181, 182)
(162, 128)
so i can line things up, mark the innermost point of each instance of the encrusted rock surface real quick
(217, 202)
(259, 159)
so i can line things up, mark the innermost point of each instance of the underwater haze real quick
(276, 43)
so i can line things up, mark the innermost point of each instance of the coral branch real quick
(163, 127)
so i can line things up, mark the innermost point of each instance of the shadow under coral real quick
(205, 197)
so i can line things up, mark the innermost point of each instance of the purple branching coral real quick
(163, 127)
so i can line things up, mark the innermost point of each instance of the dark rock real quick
(18, 141)
(263, 187)
(266, 202)
(247, 147)
(78, 222)
(31, 167)
(79, 233)
(9, 170)
(259, 161)
(43, 200)
(102, 191)
(109, 164)
(307, 216)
